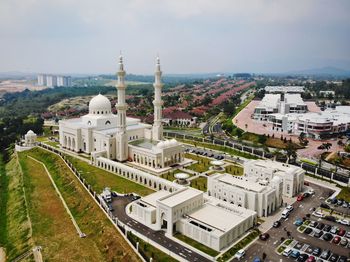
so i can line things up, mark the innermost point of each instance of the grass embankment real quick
(228, 150)
(99, 179)
(15, 227)
(52, 228)
(200, 183)
(241, 244)
(196, 244)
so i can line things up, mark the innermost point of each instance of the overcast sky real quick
(85, 36)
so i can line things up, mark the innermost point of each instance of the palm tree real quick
(291, 152)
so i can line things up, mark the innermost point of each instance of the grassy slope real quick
(99, 179)
(15, 234)
(103, 242)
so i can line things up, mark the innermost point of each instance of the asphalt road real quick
(119, 203)
(300, 210)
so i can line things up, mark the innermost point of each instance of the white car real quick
(287, 252)
(344, 222)
(289, 208)
(240, 253)
(318, 214)
(311, 191)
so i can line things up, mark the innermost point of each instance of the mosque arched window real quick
(108, 122)
(89, 123)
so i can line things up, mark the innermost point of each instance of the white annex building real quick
(117, 137)
(191, 212)
(255, 194)
(292, 176)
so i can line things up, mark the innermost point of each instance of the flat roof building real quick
(194, 214)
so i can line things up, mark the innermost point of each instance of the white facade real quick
(117, 137)
(284, 89)
(54, 80)
(292, 176)
(191, 212)
(260, 196)
(30, 139)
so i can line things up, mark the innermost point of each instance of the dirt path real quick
(2, 255)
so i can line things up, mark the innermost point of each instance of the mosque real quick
(101, 133)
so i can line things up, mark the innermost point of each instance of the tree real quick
(291, 152)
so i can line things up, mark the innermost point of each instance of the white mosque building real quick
(101, 133)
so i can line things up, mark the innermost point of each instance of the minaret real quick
(157, 130)
(121, 106)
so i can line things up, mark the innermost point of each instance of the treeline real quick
(341, 91)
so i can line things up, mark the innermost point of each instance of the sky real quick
(190, 36)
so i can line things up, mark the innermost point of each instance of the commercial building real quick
(191, 212)
(292, 176)
(279, 103)
(259, 195)
(284, 89)
(328, 123)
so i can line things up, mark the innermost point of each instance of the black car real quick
(330, 218)
(327, 237)
(320, 226)
(276, 224)
(308, 231)
(334, 258)
(302, 258)
(323, 205)
(327, 228)
(342, 259)
(317, 251)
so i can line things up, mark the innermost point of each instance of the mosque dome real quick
(30, 132)
(100, 105)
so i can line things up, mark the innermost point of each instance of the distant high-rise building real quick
(54, 80)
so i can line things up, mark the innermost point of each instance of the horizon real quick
(262, 36)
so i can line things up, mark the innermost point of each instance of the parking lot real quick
(287, 229)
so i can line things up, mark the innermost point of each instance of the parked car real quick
(318, 233)
(336, 240)
(309, 250)
(334, 258)
(302, 258)
(308, 231)
(295, 254)
(327, 228)
(333, 201)
(318, 214)
(311, 259)
(298, 222)
(313, 224)
(320, 226)
(240, 254)
(330, 218)
(276, 224)
(264, 236)
(347, 234)
(345, 204)
(343, 242)
(323, 205)
(334, 230)
(339, 202)
(327, 237)
(317, 251)
(325, 254)
(257, 259)
(298, 245)
(287, 252)
(289, 208)
(300, 198)
(341, 232)
(342, 259)
(344, 222)
(311, 191)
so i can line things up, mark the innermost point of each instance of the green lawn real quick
(195, 244)
(202, 165)
(52, 143)
(99, 179)
(234, 170)
(200, 183)
(344, 194)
